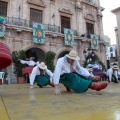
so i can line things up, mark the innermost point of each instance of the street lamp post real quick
(88, 53)
(85, 53)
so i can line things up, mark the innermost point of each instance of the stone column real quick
(78, 9)
(100, 24)
(52, 12)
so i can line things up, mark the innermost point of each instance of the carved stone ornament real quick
(99, 13)
(37, 2)
(78, 5)
(52, 1)
(89, 17)
(65, 9)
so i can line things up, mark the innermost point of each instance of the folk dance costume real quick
(41, 75)
(112, 74)
(78, 78)
(28, 69)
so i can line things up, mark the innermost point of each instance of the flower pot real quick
(20, 80)
(0, 82)
(5, 81)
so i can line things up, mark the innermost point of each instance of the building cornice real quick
(115, 10)
(38, 3)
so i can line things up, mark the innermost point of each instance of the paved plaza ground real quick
(19, 102)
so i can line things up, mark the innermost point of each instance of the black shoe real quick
(39, 86)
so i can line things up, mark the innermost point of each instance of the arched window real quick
(90, 21)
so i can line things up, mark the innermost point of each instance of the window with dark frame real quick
(65, 23)
(111, 54)
(88, 0)
(3, 8)
(111, 49)
(35, 15)
(90, 29)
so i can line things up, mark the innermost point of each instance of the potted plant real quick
(16, 56)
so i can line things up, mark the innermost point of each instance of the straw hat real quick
(42, 65)
(73, 55)
(90, 65)
(115, 67)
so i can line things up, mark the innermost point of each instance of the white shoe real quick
(31, 86)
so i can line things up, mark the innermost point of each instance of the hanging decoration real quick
(38, 33)
(2, 27)
(94, 41)
(68, 37)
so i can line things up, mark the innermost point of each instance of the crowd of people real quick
(70, 73)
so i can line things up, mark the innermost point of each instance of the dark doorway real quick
(37, 53)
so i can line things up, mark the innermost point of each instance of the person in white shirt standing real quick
(41, 75)
(28, 69)
(69, 72)
(112, 74)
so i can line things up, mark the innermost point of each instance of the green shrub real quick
(16, 56)
(49, 60)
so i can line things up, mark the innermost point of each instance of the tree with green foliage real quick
(16, 56)
(49, 60)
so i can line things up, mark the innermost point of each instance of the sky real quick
(109, 19)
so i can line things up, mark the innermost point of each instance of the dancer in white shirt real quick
(112, 74)
(69, 72)
(41, 75)
(28, 69)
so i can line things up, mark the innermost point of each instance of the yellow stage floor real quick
(19, 102)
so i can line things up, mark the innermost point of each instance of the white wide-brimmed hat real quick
(73, 55)
(115, 67)
(90, 65)
(42, 65)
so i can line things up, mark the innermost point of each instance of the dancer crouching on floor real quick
(41, 75)
(74, 77)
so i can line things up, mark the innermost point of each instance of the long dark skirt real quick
(42, 80)
(75, 82)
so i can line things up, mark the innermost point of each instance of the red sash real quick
(27, 70)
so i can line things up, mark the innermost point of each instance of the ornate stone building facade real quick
(117, 32)
(84, 17)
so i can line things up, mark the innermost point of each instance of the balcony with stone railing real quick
(86, 35)
(22, 23)
(17, 22)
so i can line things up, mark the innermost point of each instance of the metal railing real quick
(25, 23)
(90, 1)
(88, 36)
